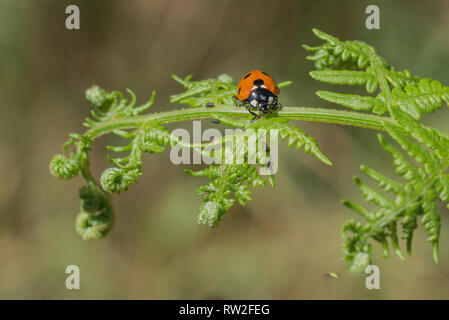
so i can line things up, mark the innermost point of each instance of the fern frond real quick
(150, 138)
(335, 54)
(425, 181)
(356, 63)
(219, 91)
(234, 179)
(231, 178)
(354, 102)
(293, 135)
(112, 105)
(420, 154)
(226, 180)
(421, 164)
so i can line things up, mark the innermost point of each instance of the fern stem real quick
(341, 117)
(378, 65)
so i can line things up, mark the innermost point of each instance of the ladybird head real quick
(262, 99)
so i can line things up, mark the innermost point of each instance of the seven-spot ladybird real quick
(259, 91)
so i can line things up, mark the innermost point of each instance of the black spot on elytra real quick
(266, 74)
(240, 89)
(258, 82)
(247, 75)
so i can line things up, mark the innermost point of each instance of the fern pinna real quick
(394, 104)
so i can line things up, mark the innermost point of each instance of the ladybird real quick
(259, 91)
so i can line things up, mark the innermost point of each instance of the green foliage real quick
(405, 98)
(149, 138)
(295, 137)
(96, 215)
(425, 181)
(356, 63)
(394, 103)
(112, 105)
(218, 91)
(235, 179)
(68, 165)
(145, 133)
(225, 180)
(232, 174)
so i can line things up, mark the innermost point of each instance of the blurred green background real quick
(282, 243)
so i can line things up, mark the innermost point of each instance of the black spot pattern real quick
(247, 75)
(258, 82)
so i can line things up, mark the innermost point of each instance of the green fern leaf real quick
(425, 182)
(335, 61)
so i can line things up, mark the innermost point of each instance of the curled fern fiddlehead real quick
(63, 167)
(96, 217)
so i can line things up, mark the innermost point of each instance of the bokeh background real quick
(277, 247)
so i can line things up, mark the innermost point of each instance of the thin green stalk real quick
(341, 117)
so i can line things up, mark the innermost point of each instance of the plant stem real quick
(341, 117)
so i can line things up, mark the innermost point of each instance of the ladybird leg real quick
(258, 116)
(252, 112)
(277, 105)
(263, 107)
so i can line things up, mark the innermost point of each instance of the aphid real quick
(212, 105)
(259, 91)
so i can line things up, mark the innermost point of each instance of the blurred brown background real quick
(277, 247)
